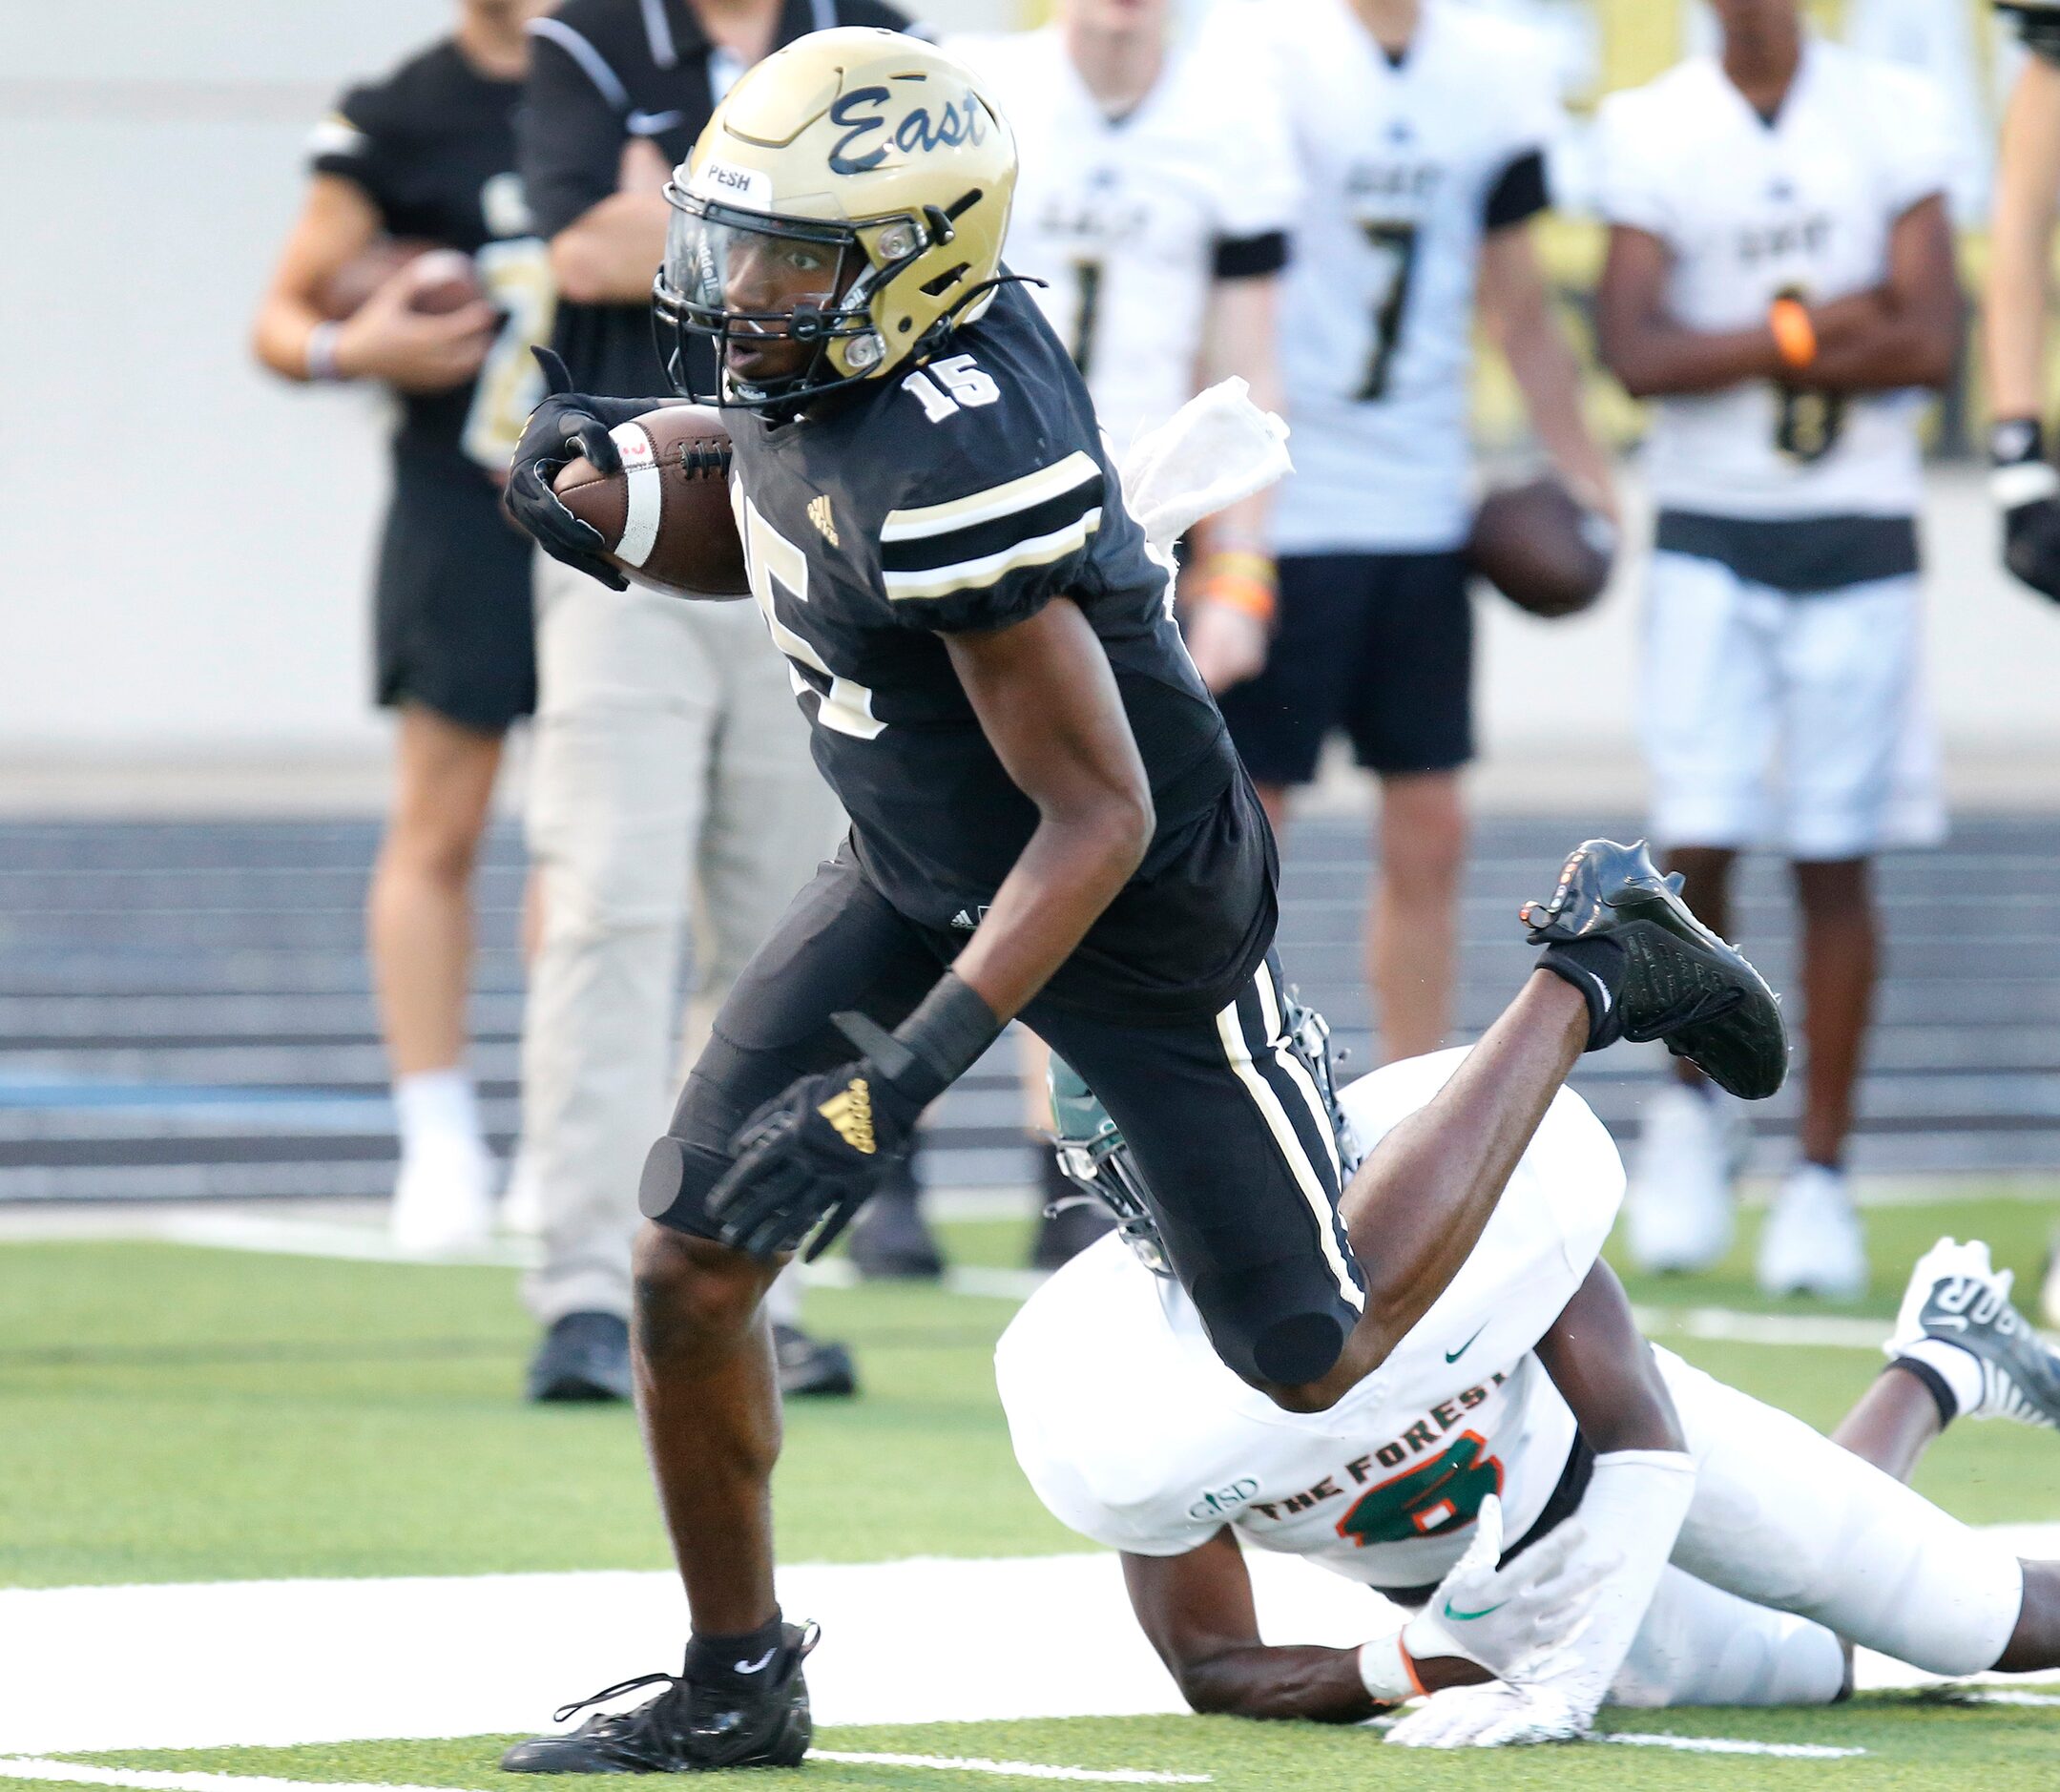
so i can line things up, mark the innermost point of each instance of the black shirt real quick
(434, 147)
(965, 496)
(602, 72)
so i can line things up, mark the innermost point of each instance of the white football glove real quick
(1497, 1618)
(1496, 1716)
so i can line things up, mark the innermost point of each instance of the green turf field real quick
(195, 1414)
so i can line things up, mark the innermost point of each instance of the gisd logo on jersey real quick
(850, 1115)
(1222, 1501)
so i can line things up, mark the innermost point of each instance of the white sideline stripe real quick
(1015, 1769)
(75, 1773)
(645, 492)
(1718, 1325)
(282, 1662)
(1731, 1746)
(2001, 1697)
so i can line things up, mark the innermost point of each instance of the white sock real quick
(1961, 1371)
(436, 1105)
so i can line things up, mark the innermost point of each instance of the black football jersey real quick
(434, 147)
(966, 495)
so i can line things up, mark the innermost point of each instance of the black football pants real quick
(1225, 1126)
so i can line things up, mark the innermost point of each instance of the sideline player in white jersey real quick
(1670, 1540)
(1421, 129)
(1156, 194)
(1780, 278)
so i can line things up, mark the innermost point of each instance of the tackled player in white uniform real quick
(1731, 1570)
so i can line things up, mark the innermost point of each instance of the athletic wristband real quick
(320, 354)
(2019, 471)
(1795, 336)
(1386, 1672)
(935, 1046)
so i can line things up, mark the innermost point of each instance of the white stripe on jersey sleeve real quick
(940, 581)
(607, 82)
(337, 136)
(1077, 469)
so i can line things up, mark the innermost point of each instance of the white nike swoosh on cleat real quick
(753, 1667)
(650, 123)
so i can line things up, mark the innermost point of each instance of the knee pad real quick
(1281, 1324)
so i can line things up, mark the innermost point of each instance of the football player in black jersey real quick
(1047, 820)
(425, 157)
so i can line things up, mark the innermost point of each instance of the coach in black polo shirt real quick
(669, 755)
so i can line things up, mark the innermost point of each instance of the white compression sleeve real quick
(1632, 1514)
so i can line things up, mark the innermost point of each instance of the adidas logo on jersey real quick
(968, 919)
(819, 513)
(850, 1112)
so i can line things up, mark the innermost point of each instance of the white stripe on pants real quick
(669, 756)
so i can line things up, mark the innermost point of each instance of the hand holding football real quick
(665, 519)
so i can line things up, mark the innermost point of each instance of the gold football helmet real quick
(845, 207)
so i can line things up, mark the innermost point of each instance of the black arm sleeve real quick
(569, 138)
(1518, 191)
(1248, 258)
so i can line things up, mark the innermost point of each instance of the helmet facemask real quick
(786, 304)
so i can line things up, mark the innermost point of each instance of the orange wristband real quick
(1242, 580)
(1795, 336)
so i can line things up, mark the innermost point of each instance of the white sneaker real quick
(1680, 1208)
(1811, 1243)
(442, 1199)
(522, 1199)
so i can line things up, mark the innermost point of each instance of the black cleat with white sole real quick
(1675, 980)
(687, 1728)
(1957, 1297)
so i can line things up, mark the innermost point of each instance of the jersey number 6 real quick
(1441, 1495)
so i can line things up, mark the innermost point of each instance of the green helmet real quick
(1095, 1160)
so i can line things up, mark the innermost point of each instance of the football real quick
(440, 280)
(665, 518)
(1537, 546)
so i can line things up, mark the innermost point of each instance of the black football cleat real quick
(687, 1728)
(1958, 1297)
(584, 1357)
(1678, 981)
(891, 1239)
(812, 1367)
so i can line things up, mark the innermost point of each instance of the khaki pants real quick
(669, 761)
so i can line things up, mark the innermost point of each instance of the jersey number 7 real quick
(1394, 248)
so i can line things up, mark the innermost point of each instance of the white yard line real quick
(74, 1773)
(285, 1662)
(1014, 1769)
(1732, 1745)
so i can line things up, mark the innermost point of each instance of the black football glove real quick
(565, 426)
(810, 1158)
(2027, 490)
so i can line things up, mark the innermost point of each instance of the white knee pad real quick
(1784, 1517)
(1700, 1645)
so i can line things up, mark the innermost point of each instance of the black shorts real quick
(1379, 645)
(454, 629)
(1226, 1131)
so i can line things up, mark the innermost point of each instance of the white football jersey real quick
(1135, 1434)
(1398, 165)
(1751, 210)
(1122, 218)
